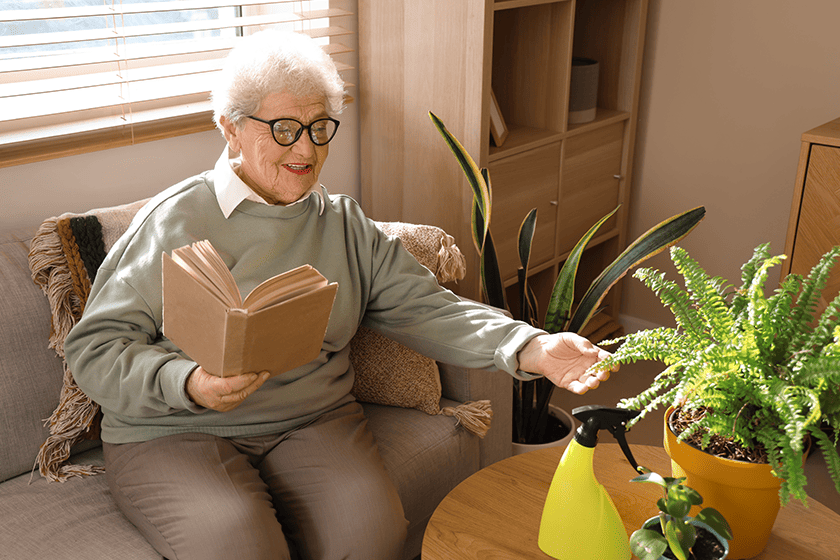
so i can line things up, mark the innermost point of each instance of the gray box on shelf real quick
(583, 90)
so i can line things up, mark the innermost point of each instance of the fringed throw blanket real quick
(67, 251)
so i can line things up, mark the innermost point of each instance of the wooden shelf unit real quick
(445, 57)
(815, 210)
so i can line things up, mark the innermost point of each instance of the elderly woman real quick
(251, 467)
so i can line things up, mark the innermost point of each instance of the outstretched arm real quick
(564, 358)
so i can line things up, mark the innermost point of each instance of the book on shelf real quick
(277, 327)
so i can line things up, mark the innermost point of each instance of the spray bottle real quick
(579, 520)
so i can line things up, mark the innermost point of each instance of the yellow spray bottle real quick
(579, 520)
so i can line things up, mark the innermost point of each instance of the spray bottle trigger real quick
(598, 417)
(622, 442)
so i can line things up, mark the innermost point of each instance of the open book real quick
(279, 326)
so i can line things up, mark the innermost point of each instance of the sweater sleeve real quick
(116, 352)
(407, 304)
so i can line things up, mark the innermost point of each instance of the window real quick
(81, 75)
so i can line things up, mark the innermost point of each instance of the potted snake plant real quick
(750, 381)
(531, 399)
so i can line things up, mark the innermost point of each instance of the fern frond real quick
(799, 407)
(677, 300)
(806, 305)
(706, 292)
(824, 331)
(758, 306)
(660, 391)
(822, 372)
(830, 454)
(778, 314)
(760, 254)
(663, 344)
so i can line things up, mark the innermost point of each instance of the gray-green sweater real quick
(121, 361)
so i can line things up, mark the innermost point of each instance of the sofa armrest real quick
(464, 384)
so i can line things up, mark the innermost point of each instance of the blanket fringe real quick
(68, 424)
(75, 414)
(451, 263)
(474, 416)
(46, 255)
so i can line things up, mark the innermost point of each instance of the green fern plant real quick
(531, 398)
(762, 371)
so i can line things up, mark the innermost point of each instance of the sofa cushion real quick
(75, 520)
(68, 250)
(30, 373)
(426, 456)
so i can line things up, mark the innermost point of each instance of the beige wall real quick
(728, 88)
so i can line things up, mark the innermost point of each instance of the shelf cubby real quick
(447, 57)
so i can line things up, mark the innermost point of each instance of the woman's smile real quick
(298, 169)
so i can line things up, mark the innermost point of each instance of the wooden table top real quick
(496, 512)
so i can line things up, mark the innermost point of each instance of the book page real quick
(188, 261)
(284, 287)
(205, 250)
(205, 264)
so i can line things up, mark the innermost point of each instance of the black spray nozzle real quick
(594, 418)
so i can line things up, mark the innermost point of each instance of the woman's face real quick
(280, 174)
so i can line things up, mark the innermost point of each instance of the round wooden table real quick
(495, 513)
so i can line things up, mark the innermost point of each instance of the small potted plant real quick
(672, 533)
(751, 380)
(531, 399)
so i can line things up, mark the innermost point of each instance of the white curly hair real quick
(271, 61)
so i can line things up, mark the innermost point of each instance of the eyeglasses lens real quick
(287, 131)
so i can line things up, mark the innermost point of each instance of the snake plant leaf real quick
(526, 238)
(475, 177)
(562, 295)
(652, 242)
(527, 299)
(528, 306)
(477, 226)
(493, 289)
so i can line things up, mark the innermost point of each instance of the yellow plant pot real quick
(747, 494)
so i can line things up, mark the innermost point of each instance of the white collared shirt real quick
(231, 190)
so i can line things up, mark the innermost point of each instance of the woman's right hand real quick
(222, 393)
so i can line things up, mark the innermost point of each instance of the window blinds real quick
(100, 73)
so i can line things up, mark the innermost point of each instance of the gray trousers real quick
(318, 492)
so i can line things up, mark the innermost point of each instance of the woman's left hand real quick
(564, 358)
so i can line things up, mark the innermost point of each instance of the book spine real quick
(235, 339)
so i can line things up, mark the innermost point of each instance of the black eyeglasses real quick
(288, 131)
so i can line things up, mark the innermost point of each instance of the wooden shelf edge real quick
(510, 4)
(604, 117)
(522, 139)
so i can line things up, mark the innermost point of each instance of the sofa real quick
(427, 454)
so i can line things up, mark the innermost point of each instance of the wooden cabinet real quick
(446, 57)
(814, 225)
